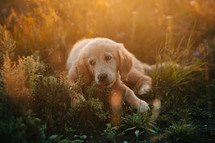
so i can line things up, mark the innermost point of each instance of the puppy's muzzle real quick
(103, 80)
(102, 77)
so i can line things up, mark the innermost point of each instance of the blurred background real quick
(146, 27)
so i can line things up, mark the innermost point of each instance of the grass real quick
(181, 132)
(35, 93)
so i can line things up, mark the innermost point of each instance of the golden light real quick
(156, 109)
(116, 103)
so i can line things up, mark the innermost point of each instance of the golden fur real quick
(109, 64)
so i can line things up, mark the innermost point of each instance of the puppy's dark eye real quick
(92, 63)
(108, 58)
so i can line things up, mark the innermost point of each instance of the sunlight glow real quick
(115, 102)
(156, 108)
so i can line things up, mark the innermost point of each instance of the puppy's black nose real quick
(102, 77)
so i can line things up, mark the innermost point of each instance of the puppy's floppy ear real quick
(79, 69)
(125, 62)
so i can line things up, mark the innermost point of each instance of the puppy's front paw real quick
(143, 107)
(144, 89)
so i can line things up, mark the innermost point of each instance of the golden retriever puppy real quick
(109, 64)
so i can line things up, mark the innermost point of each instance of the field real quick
(37, 35)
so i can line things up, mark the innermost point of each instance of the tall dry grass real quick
(14, 78)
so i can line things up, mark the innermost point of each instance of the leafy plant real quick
(52, 105)
(95, 91)
(112, 133)
(180, 132)
(69, 136)
(88, 114)
(18, 78)
(139, 124)
(27, 128)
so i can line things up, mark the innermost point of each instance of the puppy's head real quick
(103, 60)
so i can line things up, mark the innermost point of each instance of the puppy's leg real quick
(76, 97)
(142, 82)
(131, 98)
